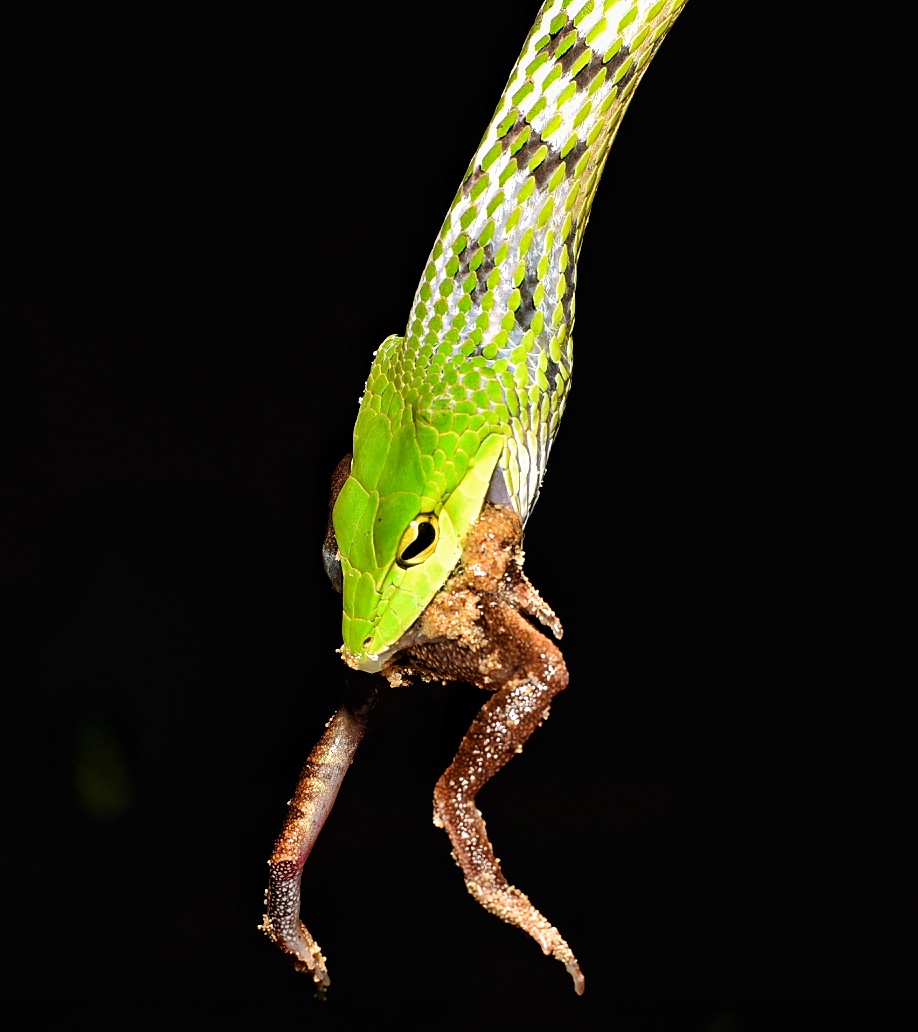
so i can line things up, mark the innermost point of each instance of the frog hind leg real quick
(489, 643)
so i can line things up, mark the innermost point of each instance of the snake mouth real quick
(375, 662)
(367, 662)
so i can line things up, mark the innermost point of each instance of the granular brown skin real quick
(475, 630)
(472, 630)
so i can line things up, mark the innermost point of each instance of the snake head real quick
(418, 480)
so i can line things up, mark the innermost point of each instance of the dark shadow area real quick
(209, 234)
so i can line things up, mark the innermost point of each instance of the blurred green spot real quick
(102, 778)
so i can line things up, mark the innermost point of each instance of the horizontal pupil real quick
(425, 539)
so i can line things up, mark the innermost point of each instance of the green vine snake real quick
(451, 444)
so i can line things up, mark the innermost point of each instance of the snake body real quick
(464, 406)
(451, 443)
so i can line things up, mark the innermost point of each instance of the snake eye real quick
(419, 541)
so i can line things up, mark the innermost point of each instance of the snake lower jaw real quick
(378, 662)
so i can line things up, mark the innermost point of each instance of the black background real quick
(212, 224)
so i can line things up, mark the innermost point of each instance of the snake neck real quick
(490, 329)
